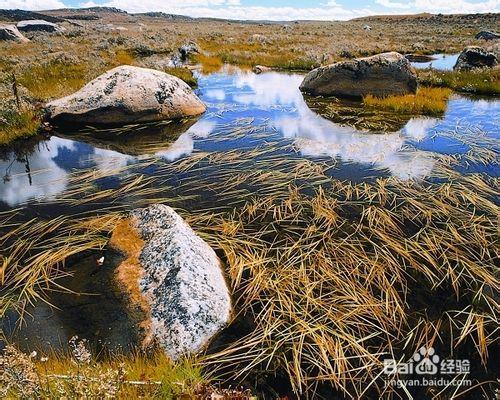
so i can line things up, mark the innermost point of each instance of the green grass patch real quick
(485, 82)
(18, 125)
(183, 73)
(427, 101)
(55, 79)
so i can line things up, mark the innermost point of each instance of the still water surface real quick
(248, 111)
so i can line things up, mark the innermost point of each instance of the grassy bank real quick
(427, 101)
(485, 82)
(79, 375)
(16, 125)
(247, 55)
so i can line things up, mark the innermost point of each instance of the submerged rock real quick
(127, 94)
(487, 35)
(11, 33)
(259, 69)
(473, 57)
(179, 281)
(39, 25)
(381, 75)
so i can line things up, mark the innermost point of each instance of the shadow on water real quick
(91, 307)
(133, 140)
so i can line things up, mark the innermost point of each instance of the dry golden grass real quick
(183, 73)
(427, 101)
(209, 63)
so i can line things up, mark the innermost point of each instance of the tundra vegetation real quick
(333, 274)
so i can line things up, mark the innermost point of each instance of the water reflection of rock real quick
(44, 171)
(316, 136)
(134, 140)
(352, 113)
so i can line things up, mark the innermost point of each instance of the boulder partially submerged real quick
(127, 94)
(473, 57)
(39, 25)
(11, 33)
(380, 75)
(175, 277)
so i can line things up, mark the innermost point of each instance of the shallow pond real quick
(258, 136)
(443, 62)
(247, 112)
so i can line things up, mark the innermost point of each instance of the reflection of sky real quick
(442, 62)
(274, 99)
(315, 136)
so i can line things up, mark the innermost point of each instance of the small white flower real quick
(33, 354)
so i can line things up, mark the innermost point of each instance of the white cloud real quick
(33, 5)
(456, 6)
(393, 4)
(315, 136)
(233, 9)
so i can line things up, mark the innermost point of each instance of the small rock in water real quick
(259, 69)
(473, 57)
(380, 75)
(127, 94)
(180, 280)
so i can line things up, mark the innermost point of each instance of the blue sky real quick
(272, 9)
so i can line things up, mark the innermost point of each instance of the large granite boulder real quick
(11, 33)
(487, 35)
(175, 277)
(39, 25)
(473, 57)
(127, 94)
(380, 75)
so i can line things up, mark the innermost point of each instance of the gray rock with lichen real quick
(182, 281)
(380, 75)
(127, 94)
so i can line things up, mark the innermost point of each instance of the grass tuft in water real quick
(427, 101)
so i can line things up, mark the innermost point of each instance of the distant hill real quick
(92, 10)
(159, 14)
(428, 16)
(20, 15)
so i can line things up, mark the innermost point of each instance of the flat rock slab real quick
(11, 33)
(38, 25)
(380, 75)
(127, 94)
(180, 282)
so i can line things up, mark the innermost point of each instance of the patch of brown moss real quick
(126, 239)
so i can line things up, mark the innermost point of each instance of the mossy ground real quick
(484, 82)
